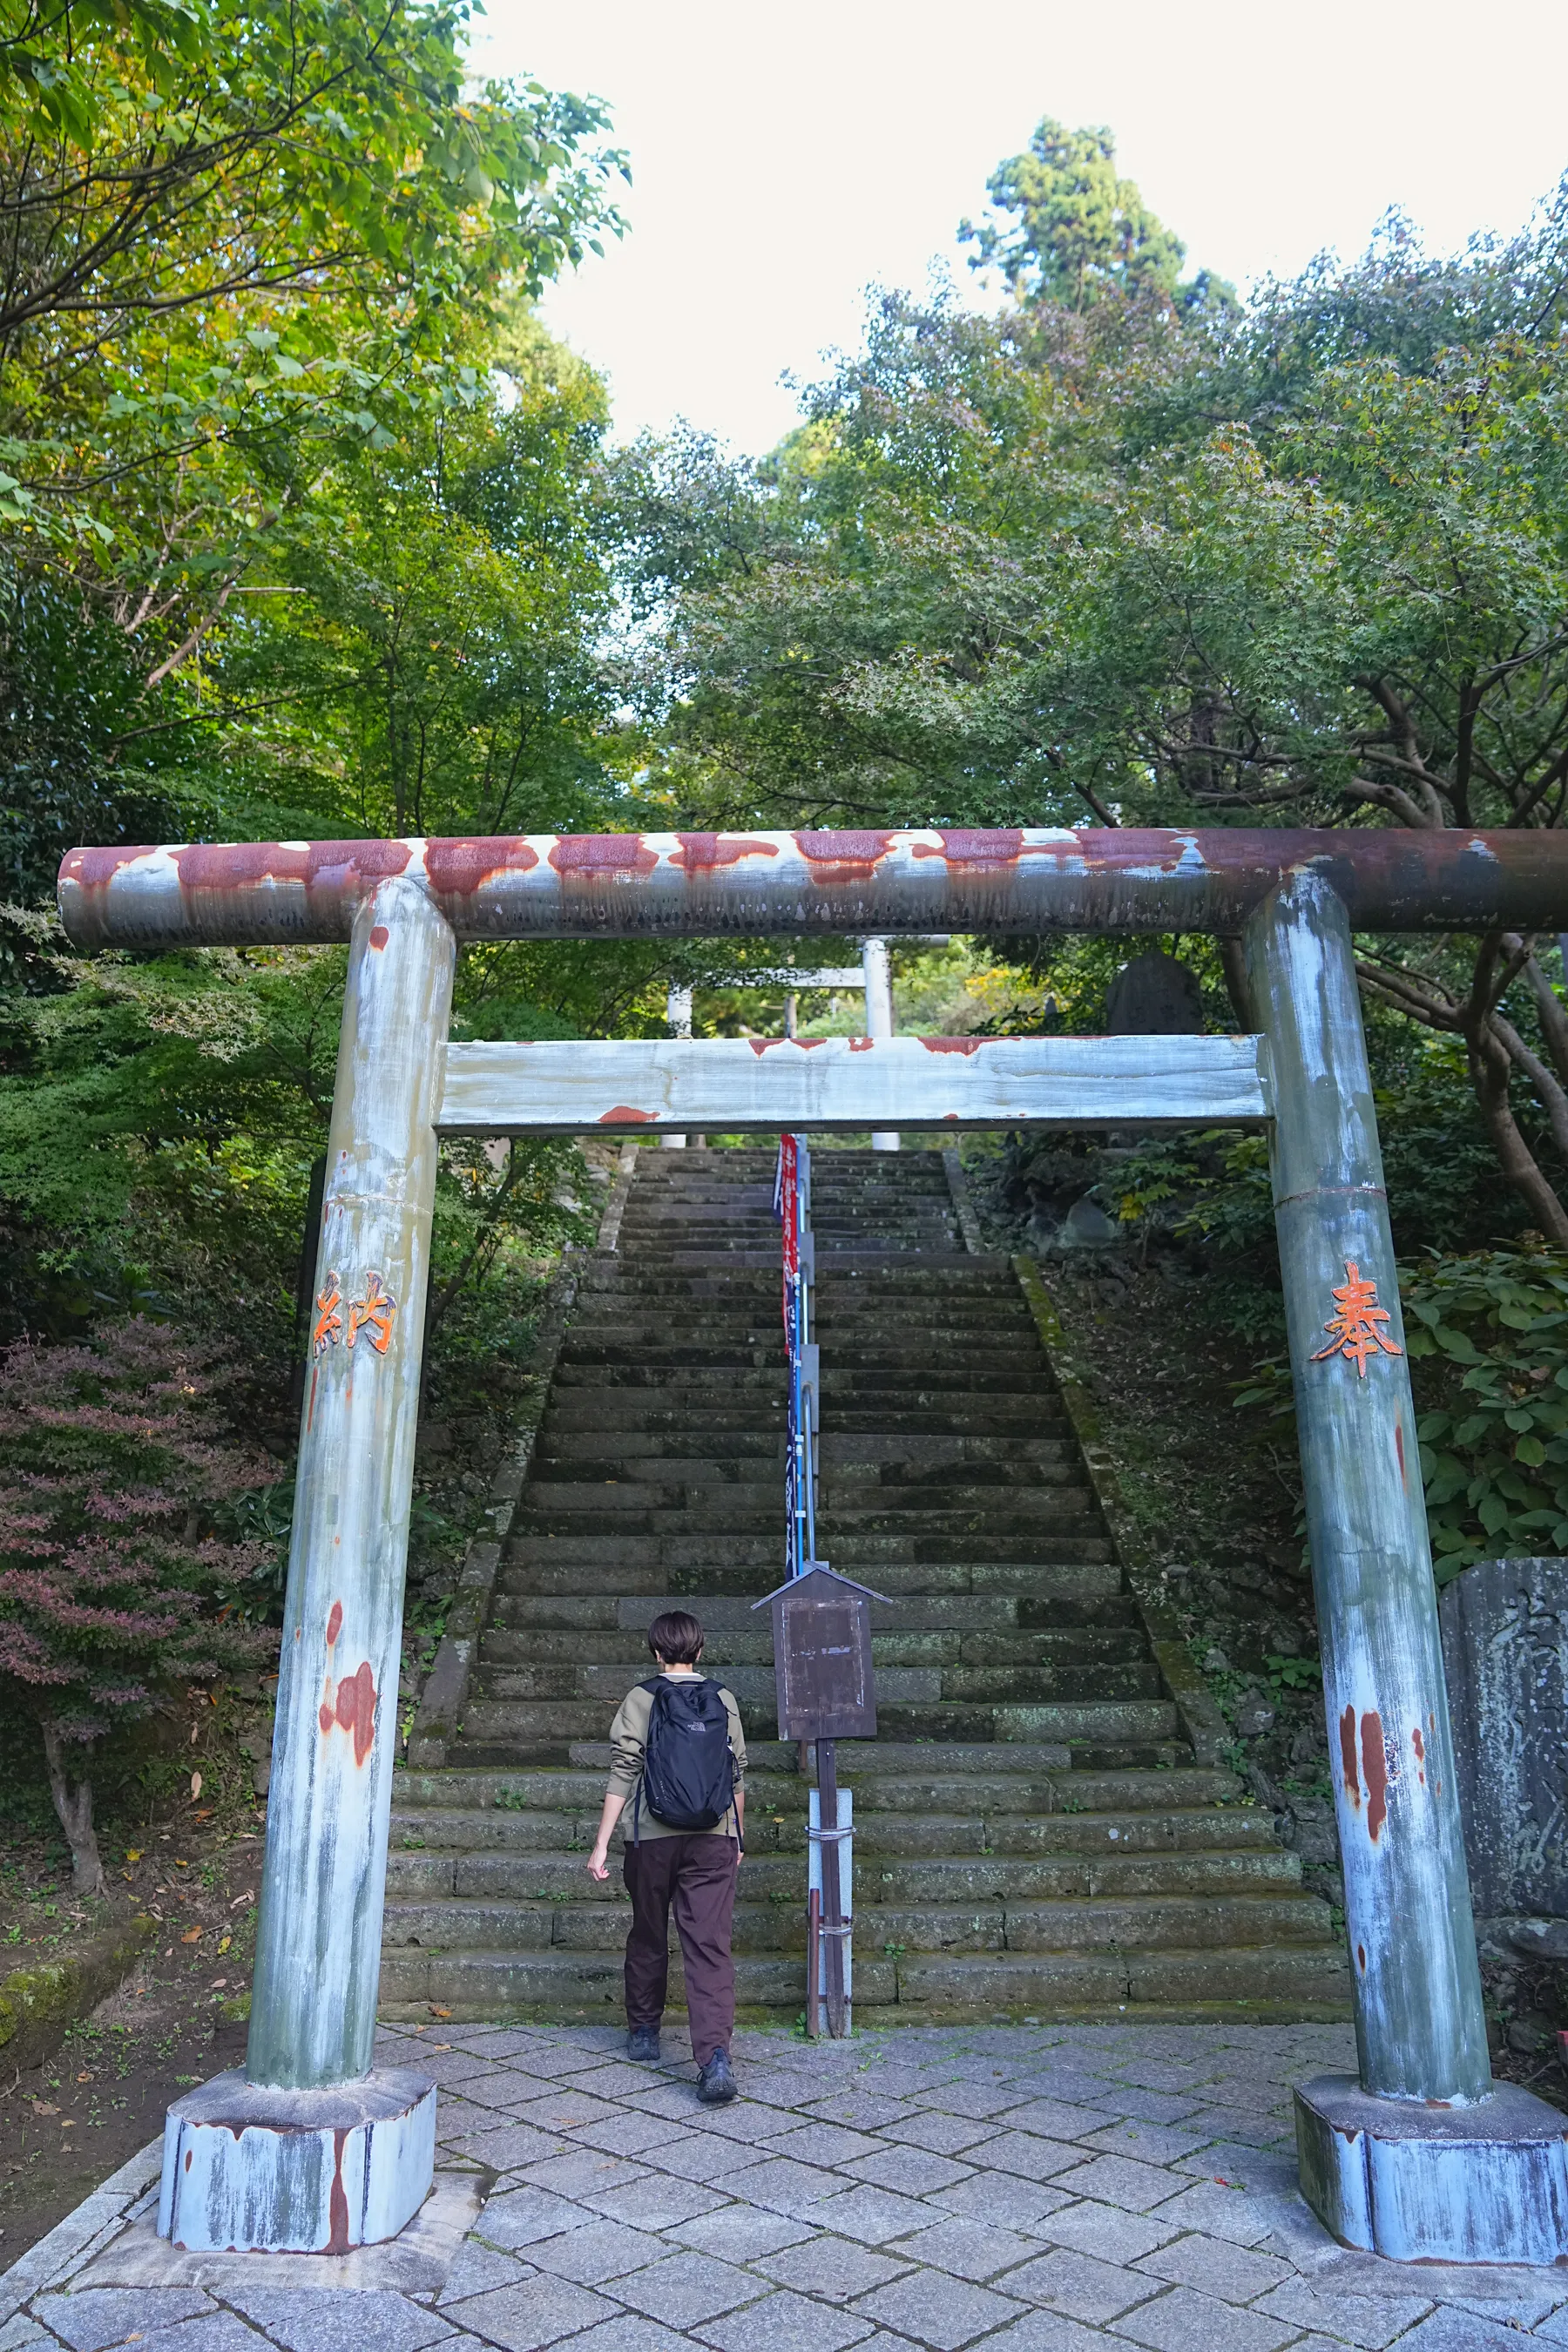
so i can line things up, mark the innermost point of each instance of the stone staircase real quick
(1034, 1836)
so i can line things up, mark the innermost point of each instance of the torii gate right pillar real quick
(1424, 2158)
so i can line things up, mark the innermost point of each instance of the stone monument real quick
(1505, 1656)
(1156, 995)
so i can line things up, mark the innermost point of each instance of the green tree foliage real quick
(224, 223)
(424, 636)
(1491, 1333)
(1303, 564)
(1065, 227)
(1486, 1334)
(304, 538)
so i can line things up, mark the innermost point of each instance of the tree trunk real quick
(1493, 1048)
(1490, 1068)
(1232, 962)
(74, 1807)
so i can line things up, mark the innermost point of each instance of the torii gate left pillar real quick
(311, 2148)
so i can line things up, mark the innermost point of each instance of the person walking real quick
(678, 1757)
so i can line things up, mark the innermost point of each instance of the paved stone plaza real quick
(1026, 2189)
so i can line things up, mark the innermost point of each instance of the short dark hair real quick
(676, 1637)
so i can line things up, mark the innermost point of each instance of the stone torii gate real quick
(308, 2147)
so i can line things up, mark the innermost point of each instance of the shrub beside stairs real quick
(1034, 1835)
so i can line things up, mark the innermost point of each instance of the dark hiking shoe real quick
(642, 2043)
(715, 2084)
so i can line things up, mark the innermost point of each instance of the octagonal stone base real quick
(1415, 2183)
(247, 2168)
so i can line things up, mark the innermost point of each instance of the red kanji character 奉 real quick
(372, 1313)
(1353, 1329)
(328, 1327)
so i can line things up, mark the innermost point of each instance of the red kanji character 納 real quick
(372, 1313)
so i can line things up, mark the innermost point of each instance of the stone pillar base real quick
(1427, 2184)
(247, 2168)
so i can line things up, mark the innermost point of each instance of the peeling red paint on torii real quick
(338, 2203)
(694, 885)
(1376, 1767)
(350, 1707)
(1347, 1757)
(704, 852)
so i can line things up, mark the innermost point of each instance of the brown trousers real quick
(695, 1876)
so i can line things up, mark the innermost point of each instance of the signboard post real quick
(827, 1692)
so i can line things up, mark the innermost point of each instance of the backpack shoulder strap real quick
(652, 1688)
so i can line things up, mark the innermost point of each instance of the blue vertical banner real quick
(791, 1206)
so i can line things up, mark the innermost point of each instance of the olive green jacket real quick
(629, 1744)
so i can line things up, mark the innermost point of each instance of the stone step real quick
(744, 1502)
(755, 1291)
(618, 1350)
(1299, 1982)
(550, 1723)
(1263, 1985)
(1120, 1925)
(891, 1381)
(660, 1449)
(907, 1459)
(610, 1506)
(658, 1483)
(511, 1641)
(935, 1453)
(959, 1314)
(924, 1556)
(604, 1686)
(562, 1823)
(571, 1986)
(741, 1561)
(683, 1383)
(568, 1564)
(883, 1772)
(849, 1259)
(509, 1668)
(416, 1876)
(1038, 1490)
(609, 1411)
(597, 1411)
(671, 1469)
(858, 1481)
(966, 1615)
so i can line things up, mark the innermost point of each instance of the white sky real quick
(784, 159)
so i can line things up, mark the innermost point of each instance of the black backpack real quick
(689, 1769)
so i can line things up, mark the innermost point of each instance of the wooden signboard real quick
(822, 1658)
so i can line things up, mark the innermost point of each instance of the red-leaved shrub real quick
(115, 1460)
